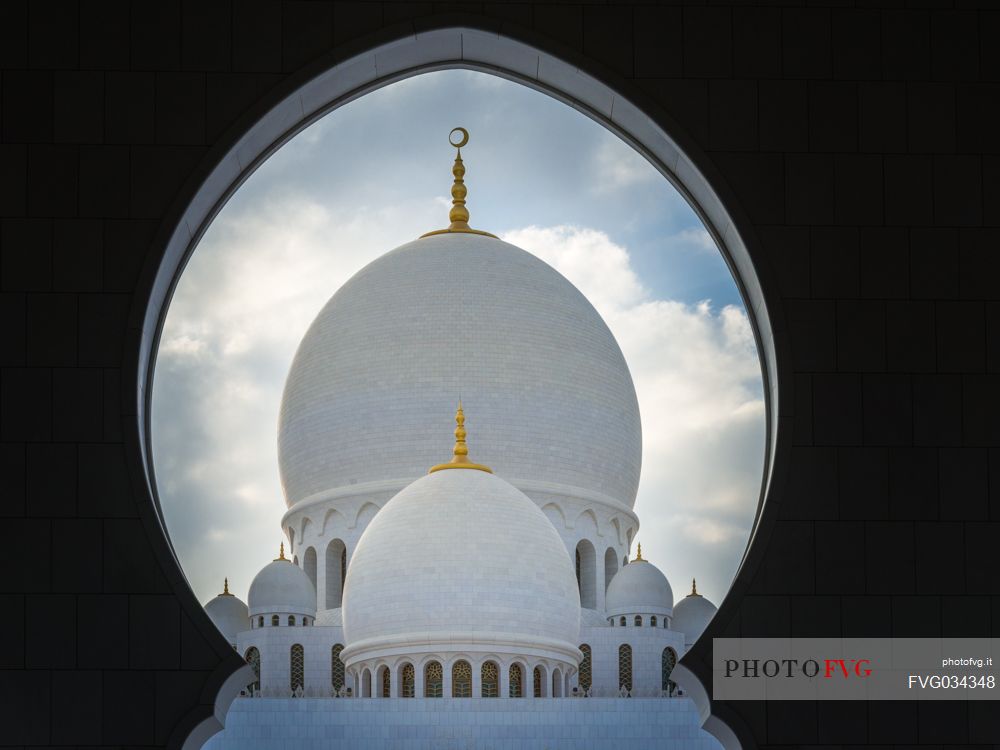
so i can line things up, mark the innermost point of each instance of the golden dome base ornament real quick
(460, 457)
(459, 214)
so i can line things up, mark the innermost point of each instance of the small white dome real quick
(461, 560)
(691, 616)
(282, 587)
(229, 615)
(639, 588)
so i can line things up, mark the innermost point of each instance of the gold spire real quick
(460, 457)
(694, 588)
(225, 588)
(459, 214)
(281, 553)
(638, 554)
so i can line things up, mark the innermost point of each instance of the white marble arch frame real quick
(389, 56)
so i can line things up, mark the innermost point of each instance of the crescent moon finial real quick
(464, 139)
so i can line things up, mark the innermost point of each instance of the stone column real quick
(446, 680)
(477, 679)
(503, 680)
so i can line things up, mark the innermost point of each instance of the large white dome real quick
(459, 315)
(461, 560)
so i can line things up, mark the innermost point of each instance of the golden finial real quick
(694, 588)
(281, 553)
(460, 453)
(459, 214)
(638, 554)
(225, 588)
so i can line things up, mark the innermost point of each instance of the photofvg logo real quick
(792, 668)
(854, 668)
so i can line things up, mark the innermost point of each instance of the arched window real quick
(297, 666)
(586, 573)
(537, 680)
(275, 622)
(556, 684)
(638, 621)
(652, 621)
(621, 621)
(491, 680)
(667, 663)
(336, 667)
(461, 680)
(333, 561)
(253, 659)
(610, 566)
(384, 682)
(291, 620)
(433, 680)
(366, 684)
(343, 567)
(585, 668)
(309, 564)
(516, 689)
(260, 621)
(408, 681)
(625, 666)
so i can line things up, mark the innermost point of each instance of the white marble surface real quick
(372, 390)
(463, 724)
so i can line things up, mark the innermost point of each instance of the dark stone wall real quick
(861, 141)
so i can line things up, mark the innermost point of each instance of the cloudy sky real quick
(377, 173)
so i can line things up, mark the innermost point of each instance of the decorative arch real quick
(433, 680)
(555, 514)
(304, 97)
(309, 564)
(610, 566)
(335, 562)
(334, 517)
(556, 683)
(365, 514)
(306, 523)
(586, 573)
(586, 524)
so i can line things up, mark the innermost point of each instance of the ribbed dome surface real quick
(384, 362)
(282, 586)
(639, 588)
(691, 616)
(461, 555)
(229, 615)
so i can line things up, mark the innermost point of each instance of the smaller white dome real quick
(282, 587)
(229, 615)
(692, 615)
(639, 588)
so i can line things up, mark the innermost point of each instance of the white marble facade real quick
(400, 586)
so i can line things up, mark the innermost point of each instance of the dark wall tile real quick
(708, 35)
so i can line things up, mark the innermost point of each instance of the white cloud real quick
(697, 377)
(614, 167)
(695, 237)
